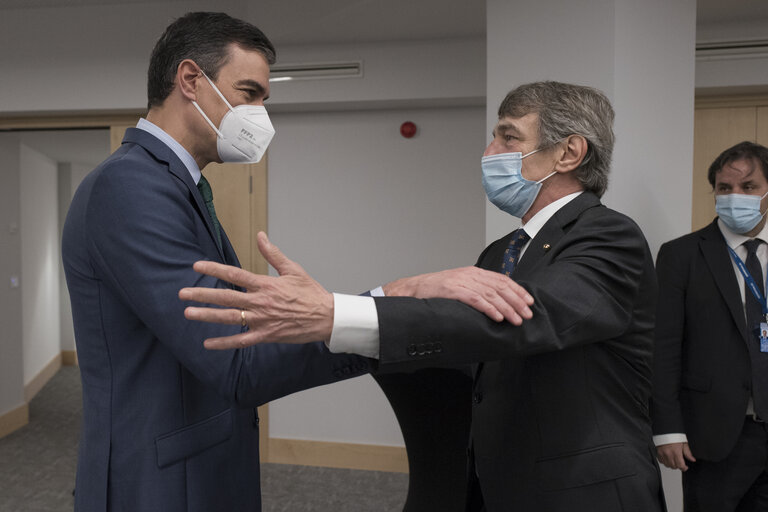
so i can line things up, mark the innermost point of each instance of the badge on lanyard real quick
(762, 334)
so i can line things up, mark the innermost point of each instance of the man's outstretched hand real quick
(494, 294)
(292, 308)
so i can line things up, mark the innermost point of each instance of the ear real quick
(187, 78)
(574, 150)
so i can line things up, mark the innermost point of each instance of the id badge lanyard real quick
(750, 281)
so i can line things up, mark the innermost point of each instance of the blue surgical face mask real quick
(505, 186)
(739, 212)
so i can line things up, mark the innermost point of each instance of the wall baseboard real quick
(41, 379)
(14, 420)
(69, 357)
(338, 455)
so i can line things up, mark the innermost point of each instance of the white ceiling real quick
(290, 22)
(709, 12)
(293, 22)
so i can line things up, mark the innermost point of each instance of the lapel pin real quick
(546, 247)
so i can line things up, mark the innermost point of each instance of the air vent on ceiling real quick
(732, 49)
(316, 71)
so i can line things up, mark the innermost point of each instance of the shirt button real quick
(477, 398)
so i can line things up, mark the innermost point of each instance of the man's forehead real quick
(742, 169)
(523, 124)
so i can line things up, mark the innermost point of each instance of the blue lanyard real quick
(750, 281)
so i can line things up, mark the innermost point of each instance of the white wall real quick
(11, 351)
(69, 177)
(358, 205)
(39, 229)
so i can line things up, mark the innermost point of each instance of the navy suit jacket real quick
(560, 418)
(167, 425)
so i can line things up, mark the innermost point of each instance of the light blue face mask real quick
(740, 212)
(505, 186)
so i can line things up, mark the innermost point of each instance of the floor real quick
(37, 467)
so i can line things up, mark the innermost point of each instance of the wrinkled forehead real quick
(740, 170)
(526, 125)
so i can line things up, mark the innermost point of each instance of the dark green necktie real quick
(205, 190)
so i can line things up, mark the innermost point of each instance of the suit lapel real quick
(175, 166)
(545, 240)
(715, 251)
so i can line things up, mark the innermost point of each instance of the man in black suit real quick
(560, 417)
(710, 397)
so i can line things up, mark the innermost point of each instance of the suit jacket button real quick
(477, 398)
(255, 418)
(438, 347)
(411, 350)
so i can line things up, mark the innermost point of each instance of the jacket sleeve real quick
(672, 274)
(144, 234)
(586, 291)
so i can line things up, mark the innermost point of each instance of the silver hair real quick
(568, 109)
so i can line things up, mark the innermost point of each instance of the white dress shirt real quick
(735, 241)
(355, 321)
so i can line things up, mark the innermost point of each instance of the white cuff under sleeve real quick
(355, 326)
(669, 438)
(378, 292)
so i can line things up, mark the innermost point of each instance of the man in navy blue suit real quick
(167, 425)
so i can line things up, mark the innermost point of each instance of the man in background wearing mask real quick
(168, 425)
(710, 398)
(560, 403)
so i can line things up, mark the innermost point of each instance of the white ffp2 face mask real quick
(244, 132)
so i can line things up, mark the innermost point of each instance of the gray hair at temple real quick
(567, 109)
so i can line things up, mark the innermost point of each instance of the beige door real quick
(240, 197)
(718, 124)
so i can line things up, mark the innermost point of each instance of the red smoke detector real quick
(407, 129)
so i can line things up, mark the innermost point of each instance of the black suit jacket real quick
(560, 415)
(702, 371)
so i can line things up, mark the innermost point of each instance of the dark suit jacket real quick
(702, 371)
(167, 425)
(560, 415)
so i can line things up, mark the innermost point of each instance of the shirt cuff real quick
(378, 292)
(669, 439)
(355, 326)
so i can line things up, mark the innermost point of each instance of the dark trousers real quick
(739, 483)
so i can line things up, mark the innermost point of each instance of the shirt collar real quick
(177, 148)
(534, 225)
(734, 239)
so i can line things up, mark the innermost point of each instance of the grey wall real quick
(69, 177)
(358, 205)
(11, 351)
(40, 260)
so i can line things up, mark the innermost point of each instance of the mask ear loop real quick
(218, 133)
(542, 180)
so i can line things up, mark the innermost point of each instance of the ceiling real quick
(326, 22)
(341, 21)
(709, 12)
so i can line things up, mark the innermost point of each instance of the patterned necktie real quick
(512, 254)
(205, 190)
(754, 311)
